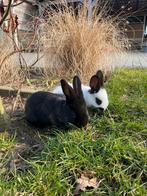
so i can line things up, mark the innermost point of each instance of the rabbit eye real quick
(98, 101)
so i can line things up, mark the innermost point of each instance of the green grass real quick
(112, 146)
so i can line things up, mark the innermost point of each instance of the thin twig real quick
(23, 1)
(6, 12)
(6, 57)
(16, 100)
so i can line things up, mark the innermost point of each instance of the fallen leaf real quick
(87, 180)
(16, 161)
(17, 165)
(2, 153)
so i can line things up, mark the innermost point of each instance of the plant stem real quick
(6, 12)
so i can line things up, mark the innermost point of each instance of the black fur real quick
(96, 82)
(48, 109)
(98, 101)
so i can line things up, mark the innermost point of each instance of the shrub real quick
(73, 44)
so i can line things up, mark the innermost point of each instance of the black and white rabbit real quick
(95, 94)
(48, 109)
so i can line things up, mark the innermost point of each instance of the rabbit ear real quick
(96, 81)
(67, 89)
(77, 86)
(100, 76)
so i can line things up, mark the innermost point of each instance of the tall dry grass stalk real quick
(72, 44)
(9, 72)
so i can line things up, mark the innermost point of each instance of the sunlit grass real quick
(112, 146)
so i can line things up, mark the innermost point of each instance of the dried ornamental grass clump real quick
(72, 44)
(9, 72)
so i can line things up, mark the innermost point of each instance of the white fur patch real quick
(57, 90)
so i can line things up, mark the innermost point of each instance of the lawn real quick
(111, 149)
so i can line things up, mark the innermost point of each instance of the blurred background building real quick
(132, 14)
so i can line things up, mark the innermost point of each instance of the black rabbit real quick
(47, 109)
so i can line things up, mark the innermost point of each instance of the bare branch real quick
(6, 12)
